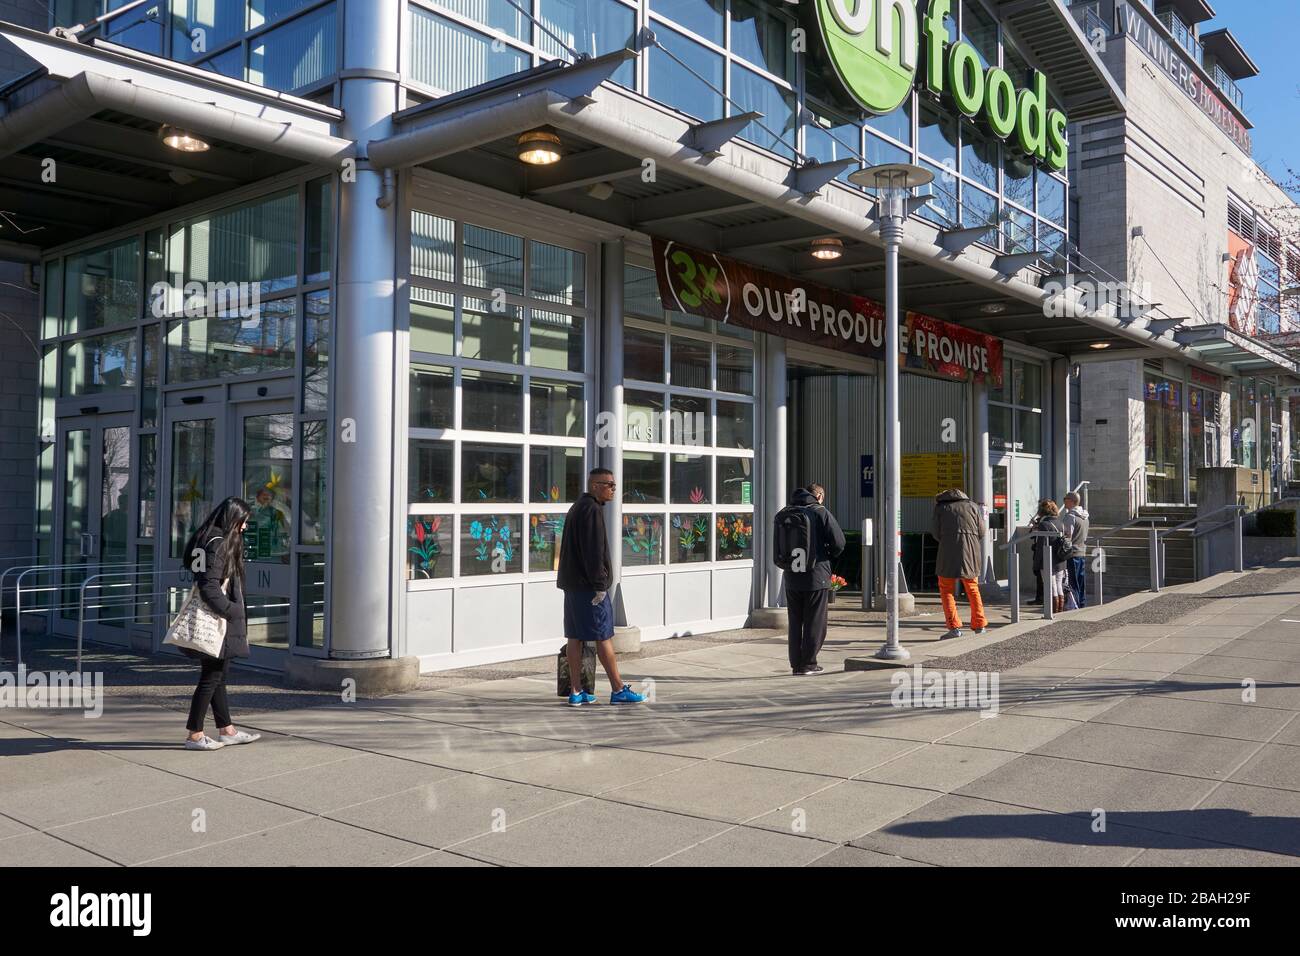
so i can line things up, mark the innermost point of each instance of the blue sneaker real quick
(626, 696)
(588, 698)
(577, 700)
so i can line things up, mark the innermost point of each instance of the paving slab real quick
(41, 849)
(685, 738)
(48, 789)
(846, 810)
(855, 856)
(960, 831)
(749, 847)
(133, 837)
(1081, 659)
(452, 810)
(1228, 690)
(1201, 854)
(592, 832)
(1195, 755)
(1012, 732)
(313, 841)
(353, 779)
(939, 767)
(1259, 818)
(1157, 712)
(1276, 765)
(1290, 734)
(590, 770)
(1262, 650)
(1149, 631)
(722, 791)
(274, 753)
(445, 858)
(1070, 786)
(925, 725)
(1151, 663)
(1183, 644)
(1219, 664)
(829, 754)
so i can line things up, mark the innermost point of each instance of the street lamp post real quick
(893, 183)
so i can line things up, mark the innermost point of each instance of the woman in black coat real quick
(1048, 521)
(215, 554)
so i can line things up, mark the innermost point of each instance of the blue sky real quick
(1266, 30)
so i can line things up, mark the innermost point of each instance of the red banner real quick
(726, 290)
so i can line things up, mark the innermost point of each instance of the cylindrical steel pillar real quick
(773, 491)
(609, 423)
(363, 358)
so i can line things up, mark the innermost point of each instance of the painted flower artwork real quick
(643, 539)
(735, 536)
(425, 541)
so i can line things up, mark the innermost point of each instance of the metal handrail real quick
(1082, 487)
(18, 591)
(1013, 572)
(133, 600)
(1200, 518)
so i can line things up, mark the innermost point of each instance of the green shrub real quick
(1279, 523)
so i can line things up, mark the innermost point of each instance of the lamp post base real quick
(894, 653)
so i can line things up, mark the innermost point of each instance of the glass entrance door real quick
(244, 449)
(263, 475)
(999, 519)
(94, 527)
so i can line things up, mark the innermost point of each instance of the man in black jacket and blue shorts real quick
(586, 577)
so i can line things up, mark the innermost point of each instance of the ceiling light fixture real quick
(183, 140)
(827, 249)
(994, 308)
(539, 148)
(1100, 346)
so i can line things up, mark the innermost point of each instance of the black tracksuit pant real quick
(807, 613)
(211, 690)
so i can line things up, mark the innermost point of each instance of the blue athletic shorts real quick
(584, 621)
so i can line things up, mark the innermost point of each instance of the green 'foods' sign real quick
(875, 47)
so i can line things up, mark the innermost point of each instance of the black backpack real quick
(793, 533)
(1061, 550)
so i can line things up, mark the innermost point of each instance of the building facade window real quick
(498, 396)
(1163, 410)
(688, 443)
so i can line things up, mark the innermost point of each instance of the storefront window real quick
(672, 84)
(1164, 439)
(102, 287)
(687, 443)
(499, 384)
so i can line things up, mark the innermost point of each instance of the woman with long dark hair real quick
(215, 555)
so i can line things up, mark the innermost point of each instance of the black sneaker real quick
(799, 673)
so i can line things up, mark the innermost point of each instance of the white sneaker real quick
(238, 737)
(203, 743)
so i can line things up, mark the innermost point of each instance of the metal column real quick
(774, 493)
(363, 355)
(610, 424)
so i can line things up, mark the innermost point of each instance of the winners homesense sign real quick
(722, 289)
(875, 47)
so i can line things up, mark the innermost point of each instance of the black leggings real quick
(211, 690)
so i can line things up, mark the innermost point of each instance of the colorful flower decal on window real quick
(691, 532)
(735, 536)
(423, 546)
(697, 496)
(642, 536)
(493, 537)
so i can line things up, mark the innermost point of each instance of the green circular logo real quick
(877, 66)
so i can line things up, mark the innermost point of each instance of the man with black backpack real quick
(806, 538)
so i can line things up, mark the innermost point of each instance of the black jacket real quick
(584, 548)
(229, 604)
(1042, 547)
(828, 544)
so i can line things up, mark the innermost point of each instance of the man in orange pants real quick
(959, 527)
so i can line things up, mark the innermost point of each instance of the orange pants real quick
(950, 615)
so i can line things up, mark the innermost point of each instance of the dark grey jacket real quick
(828, 544)
(959, 527)
(229, 603)
(584, 548)
(1042, 547)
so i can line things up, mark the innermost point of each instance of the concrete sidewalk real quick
(1122, 740)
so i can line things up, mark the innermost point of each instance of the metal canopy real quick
(626, 161)
(1225, 346)
(1050, 32)
(80, 151)
(1232, 56)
